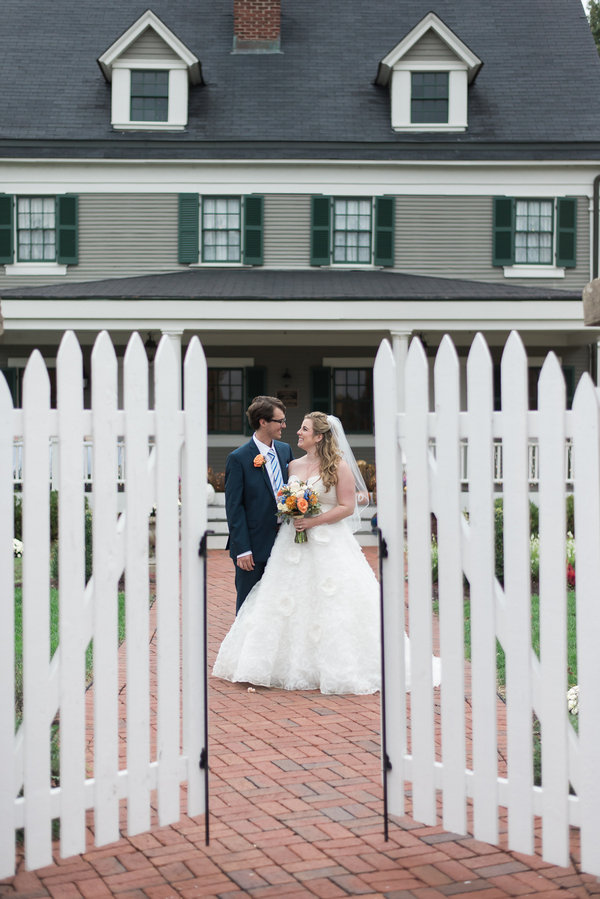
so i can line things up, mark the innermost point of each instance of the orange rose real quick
(291, 502)
(302, 505)
(259, 461)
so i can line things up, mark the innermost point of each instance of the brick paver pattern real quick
(296, 811)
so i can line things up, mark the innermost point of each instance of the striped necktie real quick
(275, 471)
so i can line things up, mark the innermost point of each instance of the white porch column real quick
(175, 338)
(400, 342)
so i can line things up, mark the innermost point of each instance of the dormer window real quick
(150, 71)
(429, 97)
(429, 72)
(149, 96)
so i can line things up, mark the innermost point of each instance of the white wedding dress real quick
(312, 621)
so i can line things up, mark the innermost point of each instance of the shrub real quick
(54, 515)
(534, 548)
(88, 547)
(434, 560)
(571, 513)
(534, 519)
(499, 539)
(18, 515)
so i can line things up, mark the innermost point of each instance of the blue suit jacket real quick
(249, 501)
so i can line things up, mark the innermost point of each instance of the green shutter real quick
(67, 227)
(320, 231)
(6, 229)
(255, 385)
(189, 221)
(10, 375)
(253, 230)
(503, 252)
(384, 230)
(320, 389)
(566, 232)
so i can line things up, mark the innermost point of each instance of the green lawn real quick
(54, 603)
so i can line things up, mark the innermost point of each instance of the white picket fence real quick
(162, 749)
(469, 766)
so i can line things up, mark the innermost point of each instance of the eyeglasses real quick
(278, 421)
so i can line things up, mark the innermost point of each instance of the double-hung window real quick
(36, 229)
(348, 390)
(232, 385)
(39, 230)
(220, 230)
(149, 96)
(225, 400)
(429, 98)
(535, 233)
(352, 231)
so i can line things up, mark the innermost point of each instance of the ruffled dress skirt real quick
(312, 621)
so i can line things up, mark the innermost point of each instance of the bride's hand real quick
(302, 524)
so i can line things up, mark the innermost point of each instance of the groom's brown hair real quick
(263, 407)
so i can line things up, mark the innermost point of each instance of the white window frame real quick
(532, 269)
(30, 267)
(401, 92)
(183, 69)
(395, 70)
(121, 96)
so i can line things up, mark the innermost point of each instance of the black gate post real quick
(203, 761)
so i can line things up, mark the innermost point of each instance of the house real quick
(294, 182)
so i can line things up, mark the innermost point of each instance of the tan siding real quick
(148, 44)
(451, 237)
(133, 234)
(430, 48)
(119, 235)
(287, 231)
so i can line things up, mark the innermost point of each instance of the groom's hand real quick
(246, 563)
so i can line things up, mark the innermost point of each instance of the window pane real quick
(429, 97)
(352, 230)
(225, 394)
(534, 234)
(36, 221)
(353, 398)
(221, 229)
(149, 96)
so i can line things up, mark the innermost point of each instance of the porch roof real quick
(274, 285)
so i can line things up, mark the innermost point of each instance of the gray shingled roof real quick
(261, 284)
(540, 82)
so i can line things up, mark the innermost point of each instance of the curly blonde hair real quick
(327, 449)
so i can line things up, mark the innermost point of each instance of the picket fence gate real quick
(467, 763)
(166, 464)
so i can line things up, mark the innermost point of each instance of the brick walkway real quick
(296, 804)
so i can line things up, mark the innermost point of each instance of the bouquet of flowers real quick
(294, 500)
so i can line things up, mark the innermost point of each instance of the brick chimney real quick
(256, 26)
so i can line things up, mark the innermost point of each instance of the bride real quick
(312, 621)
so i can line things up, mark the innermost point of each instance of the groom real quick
(253, 475)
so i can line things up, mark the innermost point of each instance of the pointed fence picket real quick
(418, 553)
(152, 444)
(446, 453)
(7, 627)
